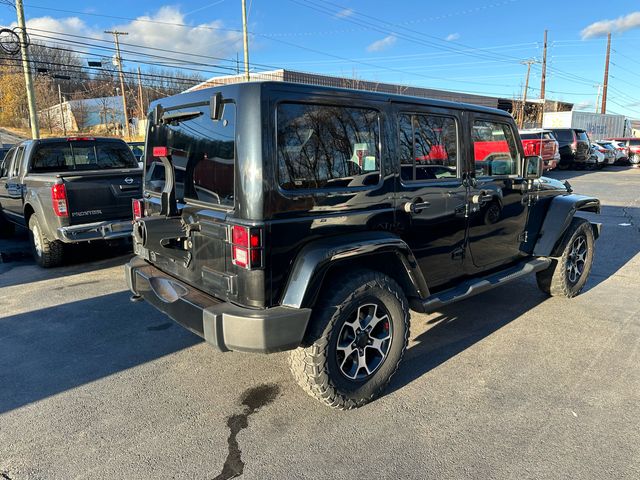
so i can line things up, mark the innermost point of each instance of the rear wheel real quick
(568, 274)
(358, 334)
(47, 253)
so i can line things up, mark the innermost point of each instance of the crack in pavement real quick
(253, 399)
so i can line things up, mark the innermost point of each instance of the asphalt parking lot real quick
(508, 385)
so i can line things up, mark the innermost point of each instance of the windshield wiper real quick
(179, 117)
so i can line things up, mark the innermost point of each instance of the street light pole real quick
(31, 97)
(246, 39)
(121, 74)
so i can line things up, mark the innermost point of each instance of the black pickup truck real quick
(68, 190)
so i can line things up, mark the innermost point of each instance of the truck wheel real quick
(47, 253)
(6, 227)
(567, 275)
(358, 334)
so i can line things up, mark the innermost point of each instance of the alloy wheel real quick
(577, 259)
(363, 342)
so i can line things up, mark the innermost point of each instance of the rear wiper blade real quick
(179, 117)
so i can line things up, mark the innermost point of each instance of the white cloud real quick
(382, 44)
(619, 25)
(452, 36)
(583, 105)
(347, 12)
(208, 38)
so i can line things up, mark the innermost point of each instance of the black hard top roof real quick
(276, 86)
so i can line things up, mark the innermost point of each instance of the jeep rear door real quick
(497, 214)
(430, 194)
(203, 153)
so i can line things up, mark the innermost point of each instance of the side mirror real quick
(533, 167)
(216, 106)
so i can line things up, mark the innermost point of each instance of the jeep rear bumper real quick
(222, 324)
(109, 230)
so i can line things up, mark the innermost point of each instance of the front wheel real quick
(358, 335)
(568, 274)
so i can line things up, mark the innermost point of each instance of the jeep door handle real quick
(415, 207)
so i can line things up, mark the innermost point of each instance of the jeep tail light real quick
(59, 200)
(246, 246)
(136, 207)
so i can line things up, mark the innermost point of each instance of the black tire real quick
(47, 253)
(315, 365)
(7, 229)
(561, 279)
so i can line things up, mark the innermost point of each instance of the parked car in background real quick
(575, 148)
(622, 149)
(600, 160)
(616, 155)
(68, 190)
(138, 151)
(542, 143)
(633, 144)
(608, 153)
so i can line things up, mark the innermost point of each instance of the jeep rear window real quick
(327, 147)
(81, 155)
(203, 154)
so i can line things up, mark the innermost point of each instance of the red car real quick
(542, 143)
(633, 144)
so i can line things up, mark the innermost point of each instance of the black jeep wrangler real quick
(280, 216)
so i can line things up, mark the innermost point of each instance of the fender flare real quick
(314, 260)
(559, 215)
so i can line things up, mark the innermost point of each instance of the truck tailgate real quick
(102, 195)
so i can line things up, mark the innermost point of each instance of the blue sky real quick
(473, 46)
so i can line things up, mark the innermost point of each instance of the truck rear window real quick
(77, 155)
(203, 155)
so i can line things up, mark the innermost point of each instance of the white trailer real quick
(597, 125)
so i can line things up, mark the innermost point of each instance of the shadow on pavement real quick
(81, 258)
(49, 351)
(459, 326)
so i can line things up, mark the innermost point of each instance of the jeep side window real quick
(327, 147)
(494, 148)
(428, 147)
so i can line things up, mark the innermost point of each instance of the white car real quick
(600, 158)
(622, 151)
(615, 154)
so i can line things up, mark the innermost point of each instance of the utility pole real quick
(124, 93)
(605, 84)
(140, 99)
(528, 63)
(246, 39)
(64, 123)
(31, 96)
(543, 79)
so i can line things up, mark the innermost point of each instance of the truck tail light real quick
(246, 246)
(136, 207)
(160, 151)
(59, 200)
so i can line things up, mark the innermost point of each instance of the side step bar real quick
(474, 286)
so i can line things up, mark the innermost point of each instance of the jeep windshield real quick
(202, 151)
(85, 154)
